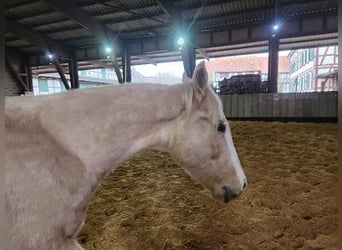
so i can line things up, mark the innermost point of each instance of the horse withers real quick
(60, 146)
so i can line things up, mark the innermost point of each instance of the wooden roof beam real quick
(16, 76)
(69, 9)
(61, 73)
(39, 40)
(148, 59)
(172, 12)
(87, 21)
(100, 64)
(204, 54)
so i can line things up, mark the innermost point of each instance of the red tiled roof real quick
(246, 64)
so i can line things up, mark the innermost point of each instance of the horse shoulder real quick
(43, 182)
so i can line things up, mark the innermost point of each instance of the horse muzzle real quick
(228, 194)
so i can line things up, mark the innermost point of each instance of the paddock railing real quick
(281, 106)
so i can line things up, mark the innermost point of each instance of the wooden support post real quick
(75, 67)
(273, 65)
(29, 77)
(73, 71)
(61, 73)
(116, 68)
(126, 63)
(189, 59)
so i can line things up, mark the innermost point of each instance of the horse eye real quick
(221, 127)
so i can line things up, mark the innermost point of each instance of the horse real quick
(59, 147)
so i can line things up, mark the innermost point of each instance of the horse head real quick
(203, 143)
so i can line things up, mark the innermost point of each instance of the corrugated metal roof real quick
(119, 16)
(42, 19)
(29, 10)
(63, 25)
(17, 43)
(137, 19)
(227, 8)
(70, 34)
(302, 9)
(256, 16)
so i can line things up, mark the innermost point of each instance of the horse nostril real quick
(228, 194)
(244, 185)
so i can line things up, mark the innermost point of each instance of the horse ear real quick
(200, 78)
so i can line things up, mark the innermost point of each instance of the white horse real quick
(59, 147)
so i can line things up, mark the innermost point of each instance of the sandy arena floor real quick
(290, 202)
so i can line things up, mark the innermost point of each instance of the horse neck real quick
(107, 126)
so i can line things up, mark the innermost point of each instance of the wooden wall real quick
(281, 105)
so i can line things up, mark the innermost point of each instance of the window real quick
(331, 50)
(43, 86)
(321, 50)
(310, 80)
(103, 73)
(307, 81)
(328, 60)
(311, 54)
(57, 85)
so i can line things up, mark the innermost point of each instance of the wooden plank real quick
(276, 105)
(268, 104)
(241, 107)
(332, 104)
(262, 105)
(289, 105)
(323, 104)
(255, 105)
(298, 104)
(226, 103)
(247, 105)
(235, 105)
(283, 105)
(307, 103)
(314, 104)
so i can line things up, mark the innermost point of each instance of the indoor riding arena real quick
(272, 63)
(290, 201)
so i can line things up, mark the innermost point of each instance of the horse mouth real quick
(228, 194)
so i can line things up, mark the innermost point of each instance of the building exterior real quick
(313, 69)
(303, 70)
(227, 67)
(51, 83)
